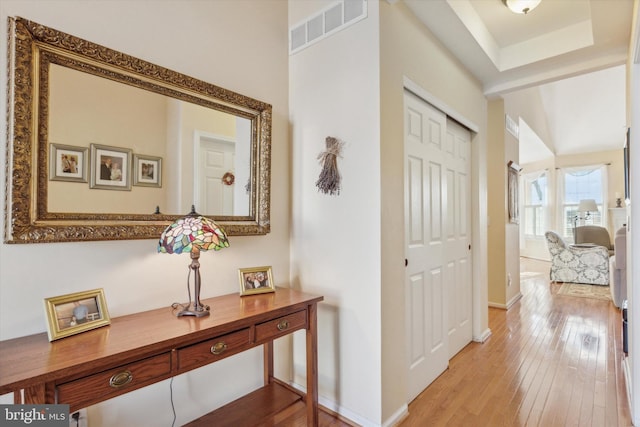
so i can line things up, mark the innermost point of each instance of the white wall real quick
(334, 91)
(241, 46)
(512, 231)
(633, 242)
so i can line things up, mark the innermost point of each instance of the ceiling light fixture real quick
(521, 6)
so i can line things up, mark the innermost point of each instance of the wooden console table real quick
(143, 348)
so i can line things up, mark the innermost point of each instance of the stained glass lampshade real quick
(192, 234)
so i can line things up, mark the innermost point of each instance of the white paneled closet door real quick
(458, 237)
(437, 237)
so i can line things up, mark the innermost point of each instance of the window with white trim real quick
(577, 184)
(536, 189)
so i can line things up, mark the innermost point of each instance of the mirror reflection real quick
(193, 154)
(106, 146)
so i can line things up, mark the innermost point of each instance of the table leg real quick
(312, 366)
(268, 362)
(37, 394)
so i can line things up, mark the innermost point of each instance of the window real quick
(535, 204)
(579, 184)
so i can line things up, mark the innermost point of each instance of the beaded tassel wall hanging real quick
(329, 180)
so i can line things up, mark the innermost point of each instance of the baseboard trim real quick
(514, 300)
(483, 336)
(627, 378)
(397, 417)
(508, 305)
(349, 417)
(497, 305)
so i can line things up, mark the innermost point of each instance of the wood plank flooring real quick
(552, 360)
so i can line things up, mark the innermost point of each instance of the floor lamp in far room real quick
(587, 206)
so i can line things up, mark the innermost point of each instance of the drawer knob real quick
(120, 379)
(283, 324)
(218, 348)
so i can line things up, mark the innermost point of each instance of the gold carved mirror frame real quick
(32, 49)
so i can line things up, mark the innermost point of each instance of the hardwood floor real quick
(552, 360)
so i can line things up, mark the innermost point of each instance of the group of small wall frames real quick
(109, 168)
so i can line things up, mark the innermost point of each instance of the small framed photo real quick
(75, 313)
(256, 280)
(147, 171)
(68, 163)
(110, 167)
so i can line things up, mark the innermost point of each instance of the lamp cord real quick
(173, 407)
(176, 305)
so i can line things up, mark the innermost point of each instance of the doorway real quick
(214, 157)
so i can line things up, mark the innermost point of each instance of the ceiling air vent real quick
(334, 18)
(512, 126)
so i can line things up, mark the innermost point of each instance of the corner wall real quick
(527, 104)
(336, 240)
(497, 204)
(633, 242)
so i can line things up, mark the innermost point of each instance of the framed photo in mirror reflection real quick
(110, 167)
(68, 163)
(147, 171)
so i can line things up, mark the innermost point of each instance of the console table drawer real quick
(215, 349)
(94, 388)
(281, 326)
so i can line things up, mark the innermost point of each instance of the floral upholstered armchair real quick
(577, 264)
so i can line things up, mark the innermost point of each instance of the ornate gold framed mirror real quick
(105, 146)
